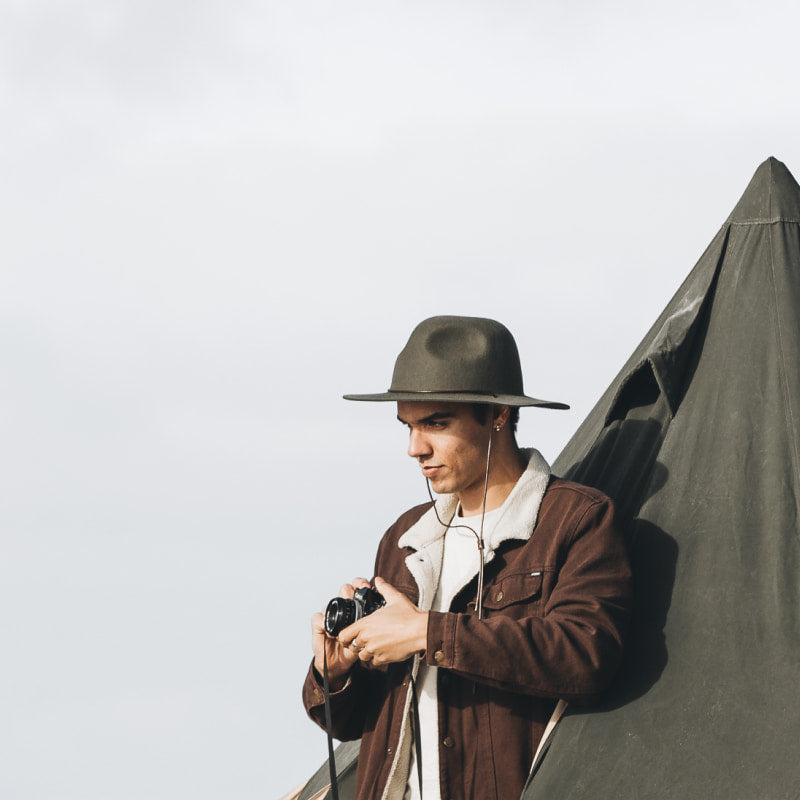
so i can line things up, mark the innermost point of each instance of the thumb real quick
(390, 594)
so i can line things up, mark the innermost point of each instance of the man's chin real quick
(440, 486)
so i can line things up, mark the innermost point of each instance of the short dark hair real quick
(481, 410)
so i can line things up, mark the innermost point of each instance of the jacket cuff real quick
(441, 649)
(313, 694)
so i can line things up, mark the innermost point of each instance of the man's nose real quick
(418, 446)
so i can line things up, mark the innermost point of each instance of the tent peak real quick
(771, 196)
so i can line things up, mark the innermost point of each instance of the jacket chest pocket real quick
(520, 591)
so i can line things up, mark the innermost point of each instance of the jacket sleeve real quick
(347, 713)
(570, 649)
(363, 695)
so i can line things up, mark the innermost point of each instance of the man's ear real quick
(500, 416)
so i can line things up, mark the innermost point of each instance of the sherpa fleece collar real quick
(517, 520)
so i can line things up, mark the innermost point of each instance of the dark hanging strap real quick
(329, 724)
(416, 731)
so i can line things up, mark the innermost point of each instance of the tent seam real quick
(765, 221)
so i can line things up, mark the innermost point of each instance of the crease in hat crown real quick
(459, 359)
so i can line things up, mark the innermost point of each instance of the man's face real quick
(448, 443)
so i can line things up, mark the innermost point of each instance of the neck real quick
(507, 464)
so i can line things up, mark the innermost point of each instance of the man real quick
(505, 599)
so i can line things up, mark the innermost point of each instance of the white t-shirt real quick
(460, 563)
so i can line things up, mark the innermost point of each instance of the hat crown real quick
(459, 354)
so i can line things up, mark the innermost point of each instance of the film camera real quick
(342, 612)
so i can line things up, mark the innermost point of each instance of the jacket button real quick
(498, 596)
(438, 656)
(448, 741)
(389, 750)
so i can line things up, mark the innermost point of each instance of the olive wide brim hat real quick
(459, 360)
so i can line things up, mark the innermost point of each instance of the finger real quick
(366, 655)
(378, 661)
(348, 634)
(390, 594)
(355, 647)
(318, 623)
(361, 583)
(347, 591)
(348, 654)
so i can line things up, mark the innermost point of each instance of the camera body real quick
(342, 612)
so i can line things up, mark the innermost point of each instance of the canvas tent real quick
(697, 442)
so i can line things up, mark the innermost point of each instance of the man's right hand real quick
(341, 659)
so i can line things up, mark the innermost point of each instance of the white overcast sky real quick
(219, 217)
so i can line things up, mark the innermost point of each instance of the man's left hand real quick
(390, 634)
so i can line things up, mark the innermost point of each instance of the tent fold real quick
(667, 354)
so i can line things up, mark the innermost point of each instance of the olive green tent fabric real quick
(346, 757)
(697, 441)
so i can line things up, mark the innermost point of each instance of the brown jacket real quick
(555, 608)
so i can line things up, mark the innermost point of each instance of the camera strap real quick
(415, 728)
(329, 724)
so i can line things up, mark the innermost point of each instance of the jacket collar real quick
(517, 520)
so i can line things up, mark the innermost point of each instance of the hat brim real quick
(458, 397)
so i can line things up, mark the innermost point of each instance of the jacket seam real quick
(591, 507)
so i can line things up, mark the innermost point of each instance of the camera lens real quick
(340, 613)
